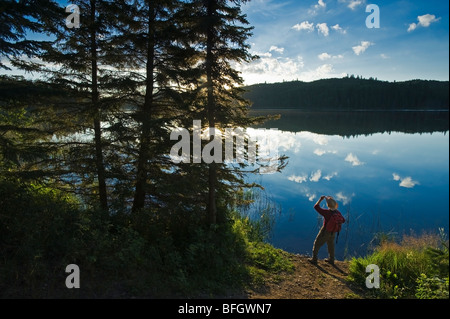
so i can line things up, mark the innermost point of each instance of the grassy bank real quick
(150, 254)
(414, 267)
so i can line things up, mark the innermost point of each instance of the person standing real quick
(332, 220)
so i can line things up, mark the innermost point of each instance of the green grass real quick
(150, 254)
(415, 267)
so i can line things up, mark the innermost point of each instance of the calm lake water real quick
(389, 172)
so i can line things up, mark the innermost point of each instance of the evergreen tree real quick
(149, 35)
(23, 134)
(17, 20)
(219, 34)
(82, 64)
(22, 130)
(153, 37)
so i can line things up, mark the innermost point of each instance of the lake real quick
(388, 171)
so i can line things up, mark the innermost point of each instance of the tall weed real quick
(404, 265)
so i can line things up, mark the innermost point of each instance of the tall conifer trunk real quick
(146, 113)
(101, 173)
(212, 176)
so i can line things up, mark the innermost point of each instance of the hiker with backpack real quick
(332, 221)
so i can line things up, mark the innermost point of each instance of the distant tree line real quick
(350, 93)
(354, 123)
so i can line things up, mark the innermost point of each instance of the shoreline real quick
(342, 111)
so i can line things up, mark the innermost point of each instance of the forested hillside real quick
(350, 93)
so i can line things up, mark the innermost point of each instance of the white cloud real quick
(345, 199)
(321, 72)
(278, 69)
(316, 138)
(384, 56)
(323, 28)
(271, 69)
(406, 182)
(315, 176)
(320, 139)
(321, 3)
(424, 21)
(298, 179)
(271, 141)
(362, 47)
(324, 56)
(412, 27)
(265, 7)
(320, 152)
(353, 160)
(336, 27)
(311, 197)
(427, 19)
(305, 25)
(324, 71)
(330, 176)
(263, 54)
(352, 4)
(276, 49)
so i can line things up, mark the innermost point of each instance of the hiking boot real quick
(330, 261)
(313, 261)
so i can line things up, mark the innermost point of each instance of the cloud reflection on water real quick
(374, 177)
(407, 182)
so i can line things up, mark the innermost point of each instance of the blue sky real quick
(314, 39)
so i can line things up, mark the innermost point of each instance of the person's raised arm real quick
(319, 201)
(319, 209)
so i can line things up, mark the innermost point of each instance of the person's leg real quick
(330, 245)
(318, 242)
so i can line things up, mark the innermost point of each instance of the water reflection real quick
(384, 181)
(351, 123)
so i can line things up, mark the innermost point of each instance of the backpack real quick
(335, 222)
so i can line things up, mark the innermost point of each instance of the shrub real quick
(404, 266)
(42, 230)
(150, 253)
(431, 288)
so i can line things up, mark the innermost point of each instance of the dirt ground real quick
(308, 281)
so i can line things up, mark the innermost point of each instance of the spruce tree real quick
(219, 33)
(78, 61)
(17, 20)
(150, 36)
(23, 133)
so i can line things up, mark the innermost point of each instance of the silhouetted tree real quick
(219, 35)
